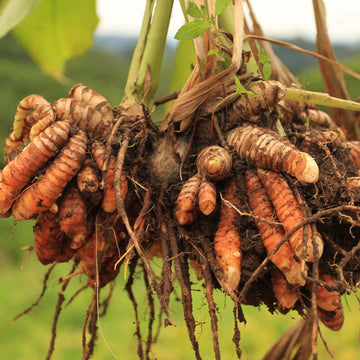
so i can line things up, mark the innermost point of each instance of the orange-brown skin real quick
(227, 239)
(329, 304)
(108, 168)
(45, 114)
(187, 209)
(72, 216)
(265, 95)
(43, 194)
(50, 243)
(322, 119)
(214, 162)
(19, 172)
(267, 149)
(207, 197)
(353, 152)
(289, 211)
(93, 99)
(84, 116)
(88, 182)
(272, 234)
(98, 257)
(284, 294)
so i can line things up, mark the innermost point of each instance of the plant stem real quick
(153, 53)
(320, 99)
(130, 95)
(144, 73)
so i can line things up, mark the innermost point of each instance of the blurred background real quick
(104, 68)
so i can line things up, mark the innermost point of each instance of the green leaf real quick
(240, 88)
(216, 52)
(192, 29)
(194, 11)
(13, 11)
(221, 5)
(56, 31)
(266, 70)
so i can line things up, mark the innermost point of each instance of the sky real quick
(278, 18)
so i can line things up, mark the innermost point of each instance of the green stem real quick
(320, 99)
(226, 19)
(144, 77)
(130, 95)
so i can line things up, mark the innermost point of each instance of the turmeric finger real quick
(263, 96)
(186, 209)
(84, 116)
(72, 216)
(93, 99)
(329, 305)
(88, 182)
(227, 239)
(108, 170)
(50, 243)
(272, 235)
(289, 212)
(207, 197)
(19, 172)
(214, 162)
(42, 195)
(31, 102)
(265, 148)
(284, 294)
(98, 257)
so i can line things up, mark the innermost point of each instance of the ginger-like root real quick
(187, 209)
(45, 114)
(207, 197)
(19, 172)
(227, 238)
(271, 234)
(262, 96)
(284, 294)
(84, 116)
(93, 99)
(72, 216)
(88, 182)
(50, 243)
(43, 194)
(214, 162)
(289, 212)
(108, 169)
(266, 149)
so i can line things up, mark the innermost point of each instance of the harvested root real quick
(284, 293)
(289, 212)
(19, 172)
(227, 240)
(44, 113)
(262, 97)
(207, 197)
(72, 216)
(84, 116)
(187, 203)
(265, 148)
(43, 194)
(50, 243)
(271, 234)
(214, 162)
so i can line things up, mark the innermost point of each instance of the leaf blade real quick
(194, 11)
(192, 29)
(13, 11)
(221, 5)
(56, 31)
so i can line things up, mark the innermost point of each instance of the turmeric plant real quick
(243, 180)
